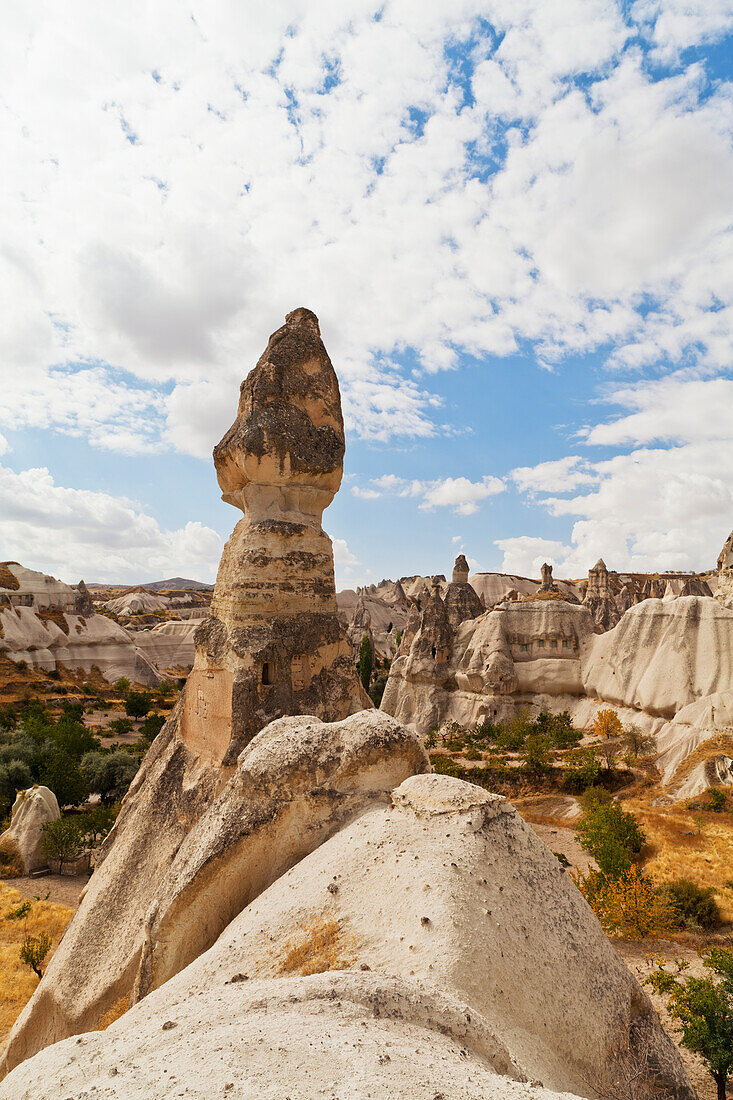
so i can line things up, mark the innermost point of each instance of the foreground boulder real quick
(432, 946)
(31, 810)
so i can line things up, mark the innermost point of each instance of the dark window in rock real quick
(266, 673)
(566, 644)
(433, 651)
(553, 643)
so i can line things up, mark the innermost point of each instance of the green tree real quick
(109, 774)
(61, 840)
(122, 685)
(61, 773)
(33, 951)
(137, 704)
(637, 742)
(366, 661)
(152, 726)
(612, 836)
(692, 906)
(703, 1010)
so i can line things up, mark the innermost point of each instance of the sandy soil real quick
(64, 889)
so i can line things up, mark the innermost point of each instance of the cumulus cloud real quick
(101, 537)
(175, 185)
(524, 555)
(459, 493)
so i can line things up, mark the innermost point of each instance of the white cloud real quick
(654, 507)
(4, 445)
(556, 476)
(458, 493)
(101, 537)
(524, 556)
(176, 184)
(676, 25)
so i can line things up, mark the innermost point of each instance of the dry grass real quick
(321, 946)
(119, 1008)
(8, 579)
(17, 981)
(683, 843)
(54, 615)
(11, 861)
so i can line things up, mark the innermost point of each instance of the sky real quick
(514, 219)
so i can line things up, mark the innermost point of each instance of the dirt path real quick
(64, 889)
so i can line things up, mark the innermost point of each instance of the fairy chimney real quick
(272, 644)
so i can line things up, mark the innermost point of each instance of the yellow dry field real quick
(682, 843)
(17, 981)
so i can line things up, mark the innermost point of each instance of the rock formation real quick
(31, 810)
(361, 624)
(695, 586)
(461, 601)
(599, 598)
(83, 603)
(461, 961)
(548, 585)
(272, 646)
(44, 637)
(725, 557)
(667, 666)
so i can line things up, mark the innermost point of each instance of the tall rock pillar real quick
(272, 644)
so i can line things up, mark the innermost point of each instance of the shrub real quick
(594, 797)
(122, 685)
(536, 754)
(165, 687)
(692, 906)
(718, 800)
(96, 823)
(583, 775)
(61, 840)
(121, 726)
(612, 836)
(703, 1008)
(376, 691)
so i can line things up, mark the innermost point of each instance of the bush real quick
(536, 754)
(96, 823)
(718, 800)
(11, 861)
(376, 691)
(594, 797)
(581, 776)
(122, 726)
(366, 661)
(612, 836)
(637, 742)
(692, 906)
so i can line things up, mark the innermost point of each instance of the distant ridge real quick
(176, 584)
(173, 584)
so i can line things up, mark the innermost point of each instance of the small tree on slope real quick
(703, 1008)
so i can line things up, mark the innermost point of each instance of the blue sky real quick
(513, 218)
